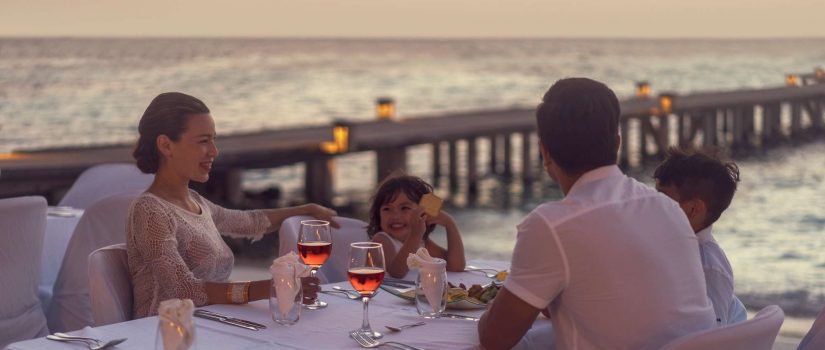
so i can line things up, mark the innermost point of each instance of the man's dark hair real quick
(578, 123)
(696, 174)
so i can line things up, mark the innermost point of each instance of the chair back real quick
(105, 180)
(102, 224)
(335, 269)
(815, 339)
(758, 333)
(22, 227)
(110, 285)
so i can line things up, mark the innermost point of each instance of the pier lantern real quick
(385, 108)
(792, 80)
(666, 103)
(642, 89)
(341, 136)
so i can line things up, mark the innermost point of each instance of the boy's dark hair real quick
(412, 186)
(578, 124)
(695, 174)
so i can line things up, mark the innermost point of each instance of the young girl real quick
(400, 224)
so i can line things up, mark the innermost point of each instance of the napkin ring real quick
(238, 292)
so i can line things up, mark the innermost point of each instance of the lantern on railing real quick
(385, 108)
(642, 89)
(340, 139)
(666, 103)
(792, 80)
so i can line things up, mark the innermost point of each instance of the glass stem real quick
(365, 325)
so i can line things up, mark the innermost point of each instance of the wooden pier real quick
(738, 120)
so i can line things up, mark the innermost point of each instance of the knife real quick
(215, 314)
(460, 317)
(225, 320)
(398, 281)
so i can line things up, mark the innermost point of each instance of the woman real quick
(173, 234)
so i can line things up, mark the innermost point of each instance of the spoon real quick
(399, 328)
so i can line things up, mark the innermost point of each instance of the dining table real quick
(326, 328)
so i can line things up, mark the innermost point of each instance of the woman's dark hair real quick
(167, 114)
(412, 186)
(695, 174)
(578, 124)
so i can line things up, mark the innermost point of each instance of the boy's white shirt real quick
(719, 279)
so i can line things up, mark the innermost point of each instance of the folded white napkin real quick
(431, 272)
(176, 325)
(285, 280)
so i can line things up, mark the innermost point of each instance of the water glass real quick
(285, 297)
(431, 292)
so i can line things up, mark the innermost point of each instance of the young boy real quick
(704, 187)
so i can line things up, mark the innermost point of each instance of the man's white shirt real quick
(616, 263)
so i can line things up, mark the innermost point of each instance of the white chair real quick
(110, 285)
(102, 224)
(22, 227)
(335, 269)
(815, 339)
(105, 180)
(758, 333)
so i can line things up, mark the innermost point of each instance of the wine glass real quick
(314, 247)
(366, 272)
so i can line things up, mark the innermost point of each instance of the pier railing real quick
(739, 120)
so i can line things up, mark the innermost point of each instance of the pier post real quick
(472, 170)
(389, 160)
(640, 124)
(710, 136)
(507, 171)
(436, 180)
(318, 175)
(526, 159)
(494, 154)
(624, 158)
(738, 128)
(814, 108)
(796, 120)
(453, 160)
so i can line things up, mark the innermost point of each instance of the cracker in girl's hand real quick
(431, 204)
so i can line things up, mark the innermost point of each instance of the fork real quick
(339, 292)
(93, 344)
(484, 271)
(367, 341)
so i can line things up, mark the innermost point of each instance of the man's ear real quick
(164, 145)
(545, 156)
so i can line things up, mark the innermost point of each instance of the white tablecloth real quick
(317, 329)
(60, 224)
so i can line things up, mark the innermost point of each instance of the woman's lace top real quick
(172, 251)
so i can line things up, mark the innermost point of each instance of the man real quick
(704, 186)
(615, 263)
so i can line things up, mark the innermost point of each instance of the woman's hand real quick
(311, 286)
(321, 213)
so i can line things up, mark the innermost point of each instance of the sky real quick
(414, 18)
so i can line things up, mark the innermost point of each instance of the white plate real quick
(461, 304)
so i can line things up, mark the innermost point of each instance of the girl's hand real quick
(442, 219)
(321, 213)
(418, 223)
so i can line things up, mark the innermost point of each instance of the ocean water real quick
(70, 91)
